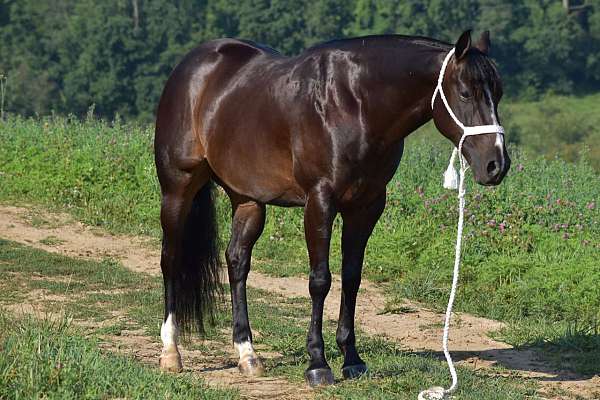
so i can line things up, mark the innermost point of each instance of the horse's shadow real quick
(534, 361)
(226, 365)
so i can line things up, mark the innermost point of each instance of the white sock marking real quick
(169, 332)
(244, 350)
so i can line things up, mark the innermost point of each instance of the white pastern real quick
(244, 350)
(169, 332)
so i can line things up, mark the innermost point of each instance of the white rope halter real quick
(450, 182)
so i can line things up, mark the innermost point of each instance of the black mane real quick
(383, 39)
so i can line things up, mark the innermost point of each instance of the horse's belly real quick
(255, 166)
(262, 186)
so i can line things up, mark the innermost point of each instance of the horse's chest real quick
(368, 178)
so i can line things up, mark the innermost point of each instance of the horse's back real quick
(210, 62)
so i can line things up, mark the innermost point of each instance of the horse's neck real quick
(410, 82)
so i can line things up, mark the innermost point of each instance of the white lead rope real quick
(450, 182)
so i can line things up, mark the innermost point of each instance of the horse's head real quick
(473, 88)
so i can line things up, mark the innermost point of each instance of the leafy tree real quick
(325, 19)
(65, 55)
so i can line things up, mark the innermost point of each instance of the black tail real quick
(196, 278)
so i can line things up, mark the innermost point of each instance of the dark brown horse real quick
(325, 131)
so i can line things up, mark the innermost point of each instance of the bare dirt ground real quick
(417, 329)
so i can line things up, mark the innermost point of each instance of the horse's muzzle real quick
(494, 171)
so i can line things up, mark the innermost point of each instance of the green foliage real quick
(67, 55)
(556, 125)
(93, 169)
(48, 359)
(531, 244)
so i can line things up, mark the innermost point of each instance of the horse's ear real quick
(483, 44)
(463, 44)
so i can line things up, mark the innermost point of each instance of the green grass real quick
(556, 125)
(49, 359)
(530, 249)
(281, 324)
(51, 241)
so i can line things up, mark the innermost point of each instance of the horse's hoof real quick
(319, 377)
(170, 362)
(354, 371)
(251, 366)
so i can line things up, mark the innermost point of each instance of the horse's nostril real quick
(493, 168)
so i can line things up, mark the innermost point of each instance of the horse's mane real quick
(479, 67)
(383, 39)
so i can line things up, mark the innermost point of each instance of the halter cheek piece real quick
(450, 182)
(450, 177)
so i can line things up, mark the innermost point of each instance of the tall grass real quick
(47, 359)
(531, 245)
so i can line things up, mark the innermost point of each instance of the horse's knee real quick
(319, 281)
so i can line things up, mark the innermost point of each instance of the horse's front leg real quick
(319, 214)
(358, 225)
(247, 225)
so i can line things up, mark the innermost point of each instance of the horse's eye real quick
(465, 95)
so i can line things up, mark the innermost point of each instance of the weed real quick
(50, 359)
(51, 241)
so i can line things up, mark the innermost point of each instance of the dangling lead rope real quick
(450, 182)
(437, 392)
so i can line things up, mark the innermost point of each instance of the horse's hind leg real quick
(247, 225)
(358, 225)
(182, 191)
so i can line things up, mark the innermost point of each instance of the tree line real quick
(64, 56)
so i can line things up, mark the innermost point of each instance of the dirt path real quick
(218, 370)
(417, 330)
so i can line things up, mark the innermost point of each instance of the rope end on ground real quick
(433, 393)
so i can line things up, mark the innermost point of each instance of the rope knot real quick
(433, 393)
